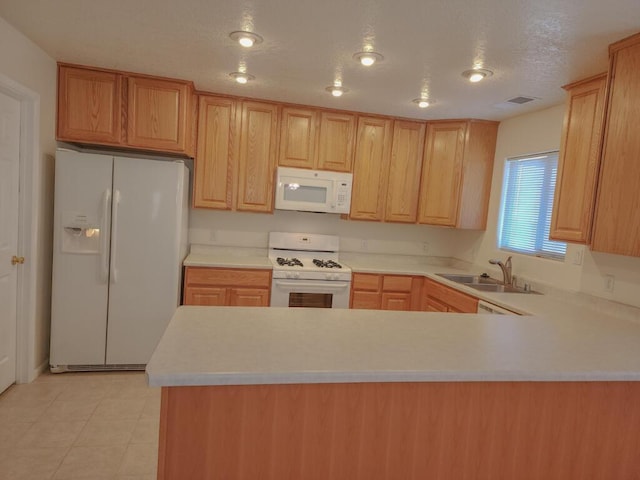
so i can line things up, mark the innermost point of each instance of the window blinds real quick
(527, 204)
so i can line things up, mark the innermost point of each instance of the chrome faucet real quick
(506, 269)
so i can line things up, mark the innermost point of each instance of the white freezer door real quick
(149, 205)
(80, 258)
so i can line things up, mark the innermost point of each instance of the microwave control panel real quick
(342, 195)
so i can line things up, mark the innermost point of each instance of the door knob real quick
(17, 260)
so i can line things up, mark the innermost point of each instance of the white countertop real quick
(227, 261)
(562, 304)
(266, 345)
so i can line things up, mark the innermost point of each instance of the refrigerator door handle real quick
(104, 254)
(114, 234)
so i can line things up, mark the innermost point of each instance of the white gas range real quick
(306, 271)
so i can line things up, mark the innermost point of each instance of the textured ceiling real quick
(533, 47)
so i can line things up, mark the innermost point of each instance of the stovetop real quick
(294, 257)
(308, 263)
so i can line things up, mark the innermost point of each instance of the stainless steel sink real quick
(469, 279)
(483, 284)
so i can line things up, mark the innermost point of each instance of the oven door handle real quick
(325, 285)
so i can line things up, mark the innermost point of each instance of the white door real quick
(148, 199)
(9, 178)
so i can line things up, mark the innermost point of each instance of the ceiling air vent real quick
(519, 100)
(514, 102)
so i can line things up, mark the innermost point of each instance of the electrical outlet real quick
(364, 245)
(609, 281)
(213, 236)
(425, 247)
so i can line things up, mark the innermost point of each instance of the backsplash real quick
(251, 230)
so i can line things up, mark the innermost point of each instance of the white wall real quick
(539, 132)
(25, 63)
(251, 230)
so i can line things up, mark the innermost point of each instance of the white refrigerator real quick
(120, 233)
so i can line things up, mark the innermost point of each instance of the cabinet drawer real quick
(366, 281)
(397, 283)
(457, 300)
(227, 277)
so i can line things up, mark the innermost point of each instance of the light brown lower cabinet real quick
(437, 297)
(227, 287)
(384, 292)
(401, 430)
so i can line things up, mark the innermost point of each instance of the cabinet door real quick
(258, 148)
(335, 141)
(617, 222)
(578, 162)
(217, 153)
(297, 138)
(89, 106)
(404, 172)
(430, 304)
(370, 169)
(249, 297)
(158, 114)
(366, 300)
(207, 296)
(441, 173)
(396, 301)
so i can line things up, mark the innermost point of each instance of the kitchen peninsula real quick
(336, 394)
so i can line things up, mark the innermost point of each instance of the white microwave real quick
(313, 190)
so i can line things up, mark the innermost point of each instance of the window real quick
(527, 201)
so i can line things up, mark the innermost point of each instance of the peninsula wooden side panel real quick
(408, 431)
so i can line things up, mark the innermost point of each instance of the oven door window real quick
(313, 300)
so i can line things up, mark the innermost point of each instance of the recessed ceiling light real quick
(241, 77)
(336, 90)
(476, 74)
(246, 39)
(423, 102)
(368, 58)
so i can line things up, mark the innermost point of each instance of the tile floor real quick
(98, 426)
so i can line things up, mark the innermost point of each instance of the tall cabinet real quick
(370, 168)
(236, 158)
(218, 146)
(257, 158)
(579, 160)
(617, 218)
(456, 173)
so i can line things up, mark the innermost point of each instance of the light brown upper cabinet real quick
(617, 221)
(105, 107)
(335, 141)
(579, 160)
(89, 106)
(159, 114)
(370, 168)
(257, 158)
(316, 139)
(297, 138)
(456, 173)
(404, 171)
(217, 153)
